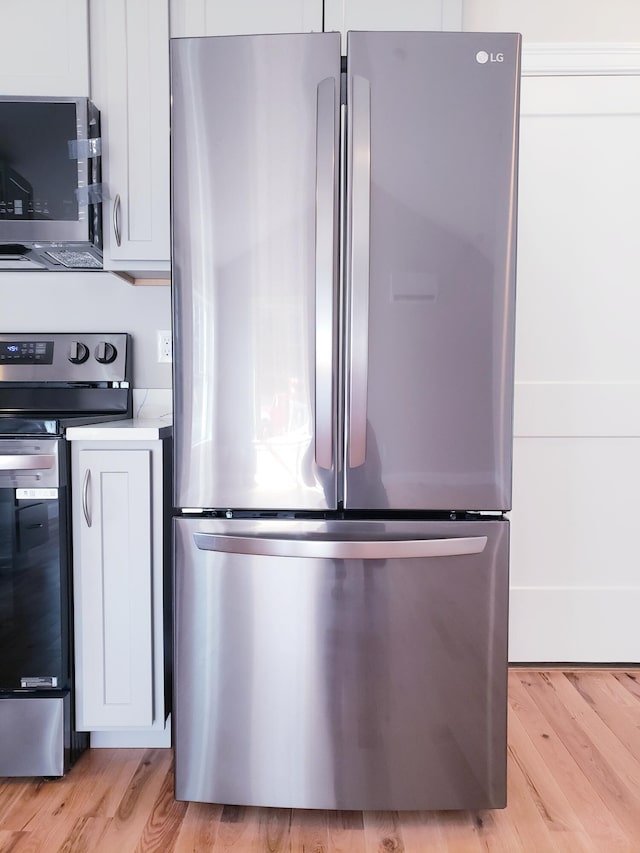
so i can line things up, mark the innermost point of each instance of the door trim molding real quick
(585, 58)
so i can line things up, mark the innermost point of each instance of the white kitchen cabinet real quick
(130, 85)
(344, 15)
(219, 17)
(121, 583)
(45, 48)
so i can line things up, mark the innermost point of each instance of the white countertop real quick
(131, 429)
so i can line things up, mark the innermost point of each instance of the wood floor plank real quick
(199, 828)
(274, 828)
(618, 756)
(597, 819)
(162, 829)
(346, 831)
(9, 839)
(85, 834)
(129, 821)
(421, 831)
(608, 704)
(597, 766)
(459, 831)
(546, 793)
(309, 832)
(382, 832)
(496, 831)
(630, 681)
(573, 787)
(12, 793)
(239, 830)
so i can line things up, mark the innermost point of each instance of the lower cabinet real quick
(121, 584)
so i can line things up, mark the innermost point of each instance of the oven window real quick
(38, 181)
(33, 591)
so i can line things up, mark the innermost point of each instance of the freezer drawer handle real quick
(360, 157)
(325, 234)
(381, 549)
(25, 462)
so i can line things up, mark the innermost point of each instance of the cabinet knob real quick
(105, 352)
(78, 352)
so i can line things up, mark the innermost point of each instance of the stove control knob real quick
(105, 352)
(78, 352)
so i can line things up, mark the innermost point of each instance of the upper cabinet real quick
(45, 50)
(221, 17)
(130, 85)
(344, 15)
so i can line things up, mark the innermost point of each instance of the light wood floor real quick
(574, 785)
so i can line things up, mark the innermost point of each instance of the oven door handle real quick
(26, 462)
(85, 496)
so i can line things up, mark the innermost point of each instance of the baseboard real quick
(590, 625)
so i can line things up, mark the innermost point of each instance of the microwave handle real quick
(116, 220)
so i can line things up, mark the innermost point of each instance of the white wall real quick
(90, 302)
(557, 20)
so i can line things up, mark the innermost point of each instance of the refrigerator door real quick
(430, 269)
(341, 664)
(255, 129)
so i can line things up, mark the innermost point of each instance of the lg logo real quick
(482, 56)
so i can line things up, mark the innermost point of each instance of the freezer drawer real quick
(341, 665)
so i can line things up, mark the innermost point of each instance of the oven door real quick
(34, 576)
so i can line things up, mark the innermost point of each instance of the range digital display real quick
(26, 352)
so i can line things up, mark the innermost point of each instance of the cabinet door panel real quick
(131, 86)
(45, 49)
(113, 588)
(344, 15)
(244, 17)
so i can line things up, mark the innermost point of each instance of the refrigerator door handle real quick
(325, 231)
(376, 549)
(360, 168)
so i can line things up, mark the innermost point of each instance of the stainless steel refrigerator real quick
(343, 293)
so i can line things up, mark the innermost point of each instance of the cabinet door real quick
(130, 84)
(344, 15)
(45, 48)
(244, 17)
(113, 589)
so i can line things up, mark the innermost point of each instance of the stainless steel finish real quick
(244, 269)
(377, 549)
(116, 220)
(359, 228)
(23, 462)
(85, 496)
(58, 231)
(442, 270)
(341, 683)
(28, 463)
(36, 743)
(51, 241)
(326, 194)
(62, 369)
(342, 664)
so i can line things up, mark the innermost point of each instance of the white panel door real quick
(113, 589)
(575, 588)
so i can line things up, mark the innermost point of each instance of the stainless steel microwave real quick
(50, 184)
